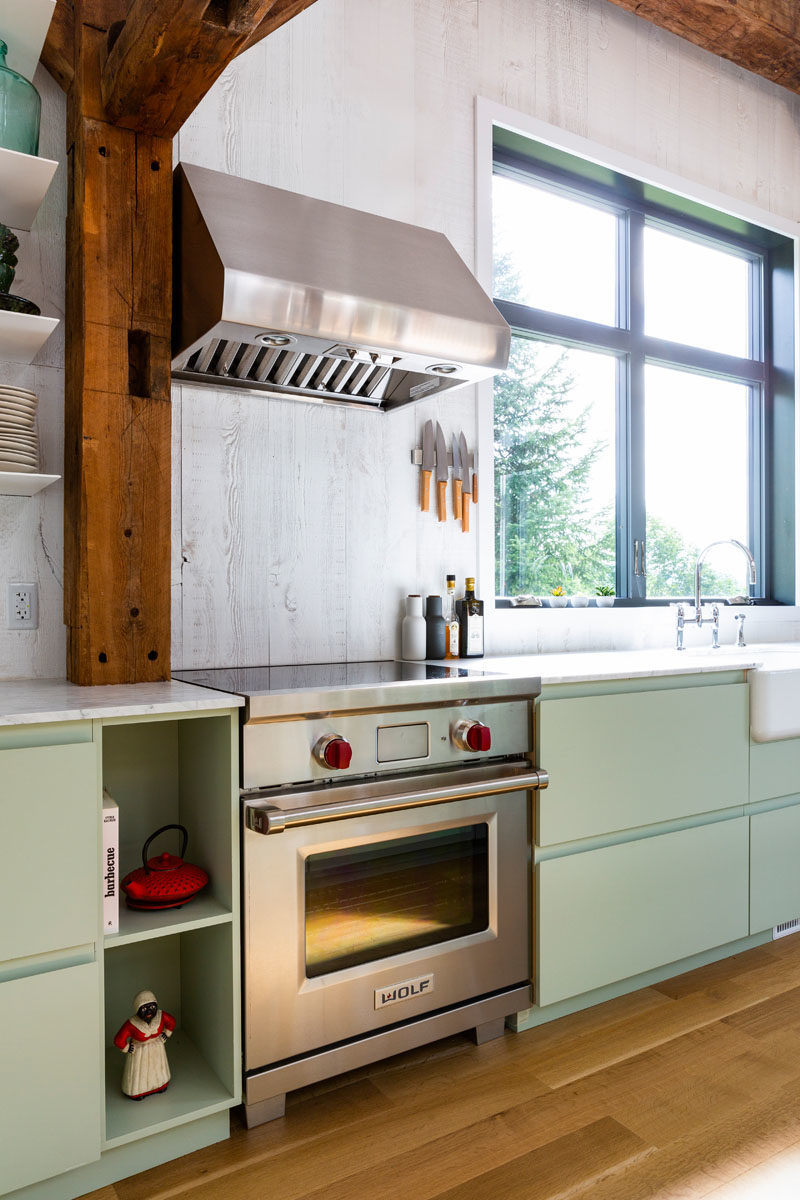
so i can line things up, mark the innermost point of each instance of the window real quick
(648, 405)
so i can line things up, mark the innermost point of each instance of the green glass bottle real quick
(20, 109)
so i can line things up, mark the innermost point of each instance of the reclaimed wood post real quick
(117, 403)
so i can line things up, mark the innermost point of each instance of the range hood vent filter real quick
(285, 294)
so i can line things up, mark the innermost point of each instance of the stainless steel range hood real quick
(283, 293)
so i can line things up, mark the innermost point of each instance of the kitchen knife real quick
(456, 479)
(427, 467)
(442, 471)
(466, 486)
(473, 462)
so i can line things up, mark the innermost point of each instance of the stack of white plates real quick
(19, 444)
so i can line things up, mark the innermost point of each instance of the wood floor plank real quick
(555, 1170)
(566, 1062)
(688, 1095)
(721, 971)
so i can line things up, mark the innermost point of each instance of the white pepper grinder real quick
(413, 630)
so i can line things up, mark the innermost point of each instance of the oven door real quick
(418, 901)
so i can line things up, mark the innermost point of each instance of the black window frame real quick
(768, 372)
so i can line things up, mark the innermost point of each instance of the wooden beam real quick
(58, 52)
(763, 36)
(117, 387)
(169, 54)
(135, 72)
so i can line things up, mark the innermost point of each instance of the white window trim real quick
(488, 114)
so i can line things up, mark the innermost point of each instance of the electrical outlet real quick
(23, 606)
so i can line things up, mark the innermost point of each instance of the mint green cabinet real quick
(629, 760)
(774, 869)
(608, 914)
(49, 825)
(50, 1073)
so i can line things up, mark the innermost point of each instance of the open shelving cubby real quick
(180, 770)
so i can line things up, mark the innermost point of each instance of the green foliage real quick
(549, 536)
(546, 533)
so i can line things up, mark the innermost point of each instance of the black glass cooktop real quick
(317, 677)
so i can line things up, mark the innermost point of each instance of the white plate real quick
(32, 460)
(10, 387)
(17, 404)
(15, 466)
(7, 417)
(19, 445)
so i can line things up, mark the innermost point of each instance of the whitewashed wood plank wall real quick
(296, 529)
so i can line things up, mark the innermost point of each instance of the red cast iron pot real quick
(165, 881)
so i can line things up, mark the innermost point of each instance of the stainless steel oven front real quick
(375, 908)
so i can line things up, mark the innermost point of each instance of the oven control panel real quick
(341, 745)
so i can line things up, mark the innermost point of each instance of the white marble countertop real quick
(35, 701)
(592, 666)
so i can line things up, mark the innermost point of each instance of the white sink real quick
(775, 692)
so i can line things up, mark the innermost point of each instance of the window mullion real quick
(636, 580)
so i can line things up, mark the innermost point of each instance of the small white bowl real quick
(579, 601)
(604, 601)
(558, 601)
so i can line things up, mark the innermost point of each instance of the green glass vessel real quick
(20, 109)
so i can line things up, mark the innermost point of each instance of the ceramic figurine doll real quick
(142, 1038)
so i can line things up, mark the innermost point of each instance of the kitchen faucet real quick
(700, 620)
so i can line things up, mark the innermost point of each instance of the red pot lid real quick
(164, 862)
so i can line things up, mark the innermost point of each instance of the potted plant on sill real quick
(604, 596)
(558, 597)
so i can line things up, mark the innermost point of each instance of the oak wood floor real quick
(686, 1089)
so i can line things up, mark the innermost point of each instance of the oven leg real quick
(265, 1110)
(488, 1031)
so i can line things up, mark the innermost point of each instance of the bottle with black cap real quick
(434, 628)
(470, 613)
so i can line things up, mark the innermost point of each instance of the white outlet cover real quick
(23, 606)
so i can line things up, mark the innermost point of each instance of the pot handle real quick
(163, 829)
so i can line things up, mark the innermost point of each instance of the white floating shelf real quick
(24, 180)
(19, 483)
(22, 336)
(23, 27)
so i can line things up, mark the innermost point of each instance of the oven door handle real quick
(265, 818)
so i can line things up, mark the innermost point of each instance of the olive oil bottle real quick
(452, 623)
(470, 616)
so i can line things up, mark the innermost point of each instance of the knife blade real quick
(427, 467)
(466, 486)
(442, 471)
(457, 476)
(473, 462)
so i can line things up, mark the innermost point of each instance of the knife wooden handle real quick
(425, 490)
(457, 486)
(474, 487)
(465, 512)
(441, 498)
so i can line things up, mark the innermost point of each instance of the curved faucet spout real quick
(700, 558)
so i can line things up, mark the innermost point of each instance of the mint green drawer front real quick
(49, 829)
(624, 761)
(774, 870)
(774, 769)
(609, 914)
(50, 1072)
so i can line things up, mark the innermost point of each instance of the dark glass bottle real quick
(434, 628)
(470, 615)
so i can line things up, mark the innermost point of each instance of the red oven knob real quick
(334, 752)
(473, 736)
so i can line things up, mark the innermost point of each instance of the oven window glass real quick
(364, 903)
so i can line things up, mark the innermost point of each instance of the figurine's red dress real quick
(146, 1069)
